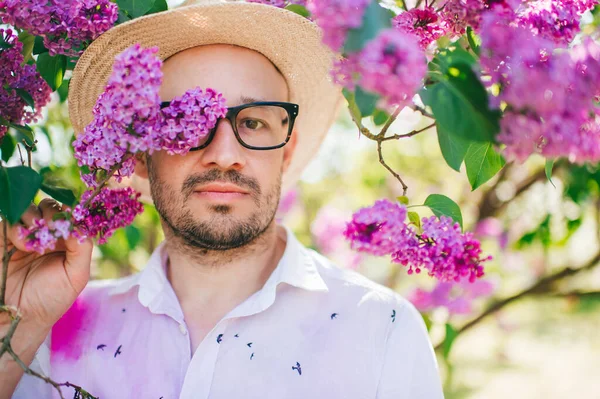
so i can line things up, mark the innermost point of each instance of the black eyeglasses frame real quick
(232, 112)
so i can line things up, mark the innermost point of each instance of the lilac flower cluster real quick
(556, 20)
(43, 235)
(67, 26)
(457, 298)
(14, 74)
(336, 18)
(391, 65)
(127, 114)
(107, 211)
(102, 215)
(424, 23)
(441, 249)
(279, 3)
(549, 92)
(190, 118)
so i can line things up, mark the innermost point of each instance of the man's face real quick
(225, 195)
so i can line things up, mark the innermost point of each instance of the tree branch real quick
(536, 288)
(396, 175)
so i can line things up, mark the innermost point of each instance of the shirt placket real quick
(199, 376)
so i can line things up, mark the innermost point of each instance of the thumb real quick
(78, 257)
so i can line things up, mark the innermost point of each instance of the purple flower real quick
(67, 26)
(14, 74)
(336, 17)
(127, 114)
(375, 230)
(42, 236)
(109, 210)
(190, 118)
(424, 23)
(392, 65)
(442, 249)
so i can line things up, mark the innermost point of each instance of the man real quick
(231, 305)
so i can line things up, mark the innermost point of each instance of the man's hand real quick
(41, 287)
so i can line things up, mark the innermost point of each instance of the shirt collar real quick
(296, 267)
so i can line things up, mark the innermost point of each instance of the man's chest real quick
(236, 359)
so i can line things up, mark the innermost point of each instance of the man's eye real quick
(252, 124)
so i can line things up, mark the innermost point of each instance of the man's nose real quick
(224, 151)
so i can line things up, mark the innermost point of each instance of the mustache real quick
(229, 176)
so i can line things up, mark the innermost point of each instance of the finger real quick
(77, 261)
(31, 213)
(49, 208)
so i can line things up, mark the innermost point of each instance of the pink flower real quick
(190, 118)
(457, 298)
(336, 17)
(327, 231)
(42, 236)
(442, 249)
(67, 26)
(109, 210)
(392, 65)
(127, 114)
(14, 74)
(424, 23)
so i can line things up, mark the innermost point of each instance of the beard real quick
(223, 231)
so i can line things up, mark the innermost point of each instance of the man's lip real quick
(221, 188)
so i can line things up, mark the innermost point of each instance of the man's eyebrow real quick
(248, 100)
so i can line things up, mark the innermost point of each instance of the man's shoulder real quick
(109, 287)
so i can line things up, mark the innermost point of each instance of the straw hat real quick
(289, 41)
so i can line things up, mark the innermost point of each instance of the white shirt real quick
(313, 331)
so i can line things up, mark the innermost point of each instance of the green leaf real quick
(63, 195)
(380, 117)
(298, 9)
(352, 107)
(403, 199)
(25, 96)
(133, 235)
(442, 205)
(27, 41)
(451, 335)
(482, 163)
(135, 8)
(7, 147)
(38, 45)
(18, 186)
(451, 55)
(549, 166)
(375, 19)
(460, 105)
(454, 148)
(414, 219)
(158, 6)
(474, 41)
(52, 69)
(63, 90)
(365, 101)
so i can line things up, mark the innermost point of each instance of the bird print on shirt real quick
(101, 346)
(118, 352)
(393, 315)
(333, 316)
(237, 335)
(297, 368)
(249, 344)
(219, 338)
(252, 355)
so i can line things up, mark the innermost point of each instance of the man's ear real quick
(141, 166)
(288, 150)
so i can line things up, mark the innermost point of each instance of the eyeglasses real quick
(263, 125)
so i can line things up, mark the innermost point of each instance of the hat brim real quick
(289, 41)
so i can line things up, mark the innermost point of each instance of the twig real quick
(396, 175)
(389, 122)
(20, 154)
(536, 288)
(5, 260)
(103, 182)
(29, 149)
(424, 112)
(413, 133)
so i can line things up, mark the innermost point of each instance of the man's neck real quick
(218, 281)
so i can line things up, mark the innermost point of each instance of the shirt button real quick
(182, 329)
